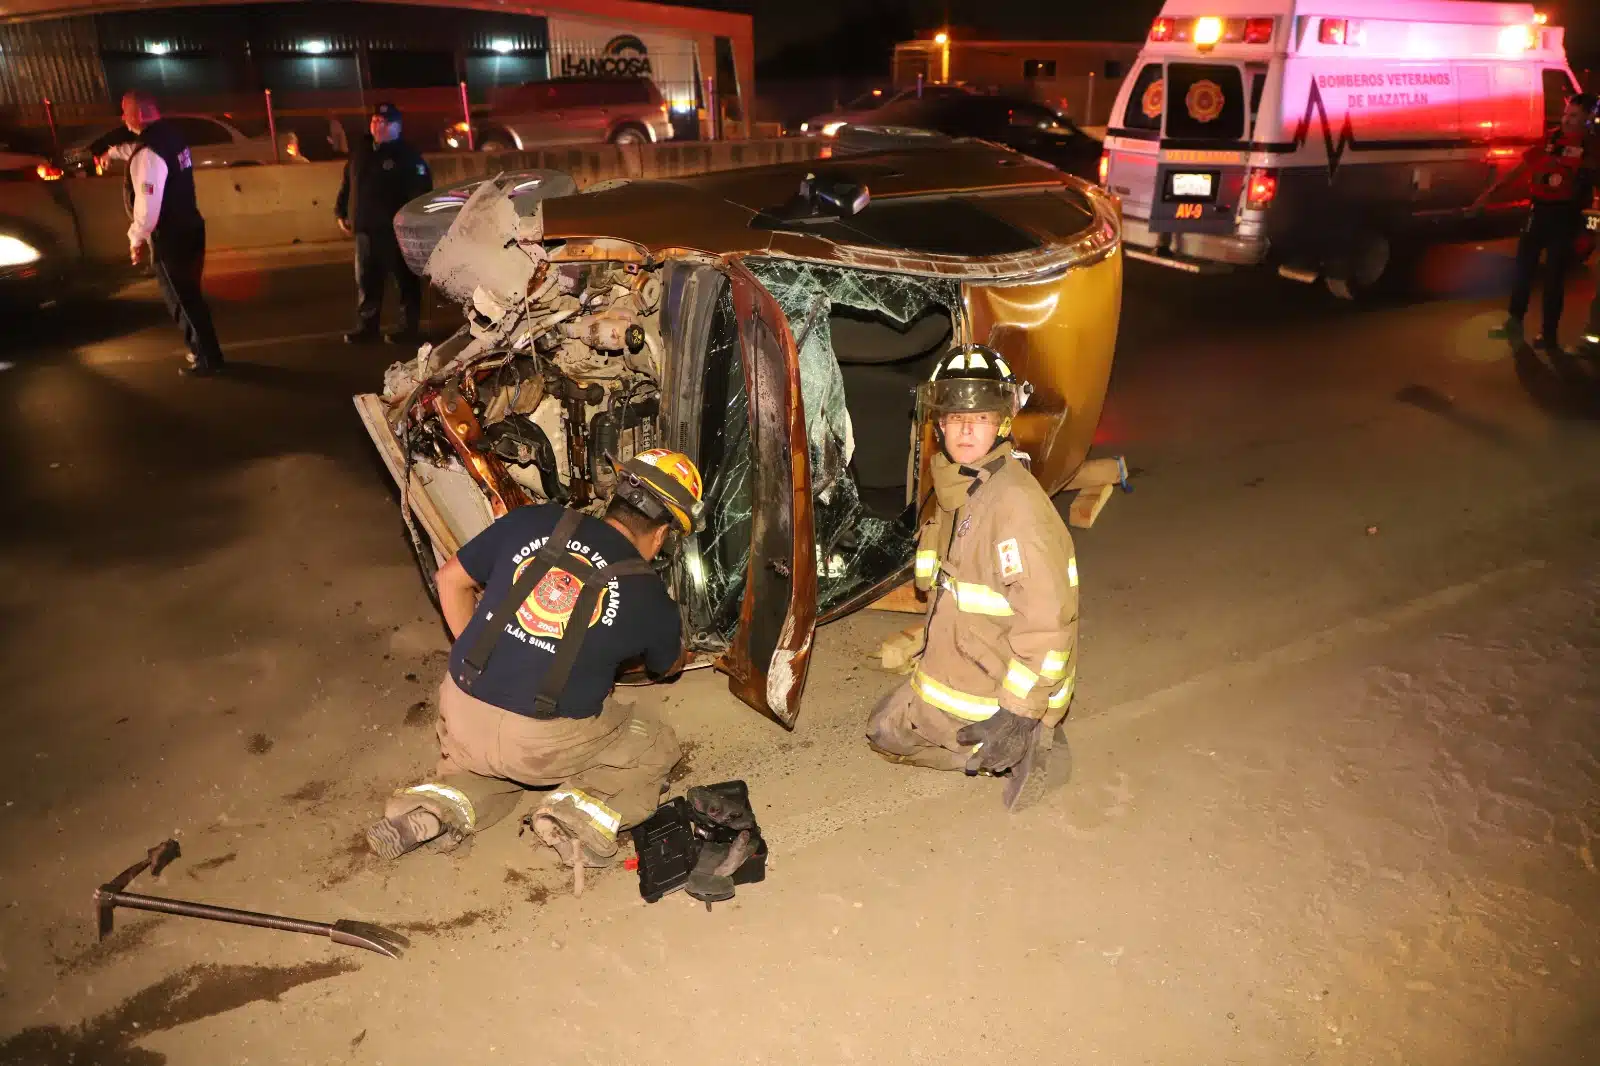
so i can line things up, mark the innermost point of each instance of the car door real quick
(771, 650)
(531, 113)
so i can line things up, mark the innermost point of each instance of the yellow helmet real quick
(663, 484)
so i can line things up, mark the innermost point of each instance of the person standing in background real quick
(380, 178)
(158, 192)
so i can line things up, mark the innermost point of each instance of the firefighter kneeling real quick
(568, 600)
(997, 664)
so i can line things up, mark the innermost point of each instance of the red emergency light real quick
(1333, 31)
(1258, 31)
(1161, 30)
(1105, 167)
(48, 172)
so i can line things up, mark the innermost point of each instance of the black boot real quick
(721, 866)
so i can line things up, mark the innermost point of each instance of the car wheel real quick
(1364, 269)
(630, 135)
(421, 223)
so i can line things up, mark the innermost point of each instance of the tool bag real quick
(707, 842)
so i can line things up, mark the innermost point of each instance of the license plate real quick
(1197, 186)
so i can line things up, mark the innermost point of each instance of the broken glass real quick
(717, 567)
(855, 547)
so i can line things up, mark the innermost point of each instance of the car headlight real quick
(14, 251)
(832, 128)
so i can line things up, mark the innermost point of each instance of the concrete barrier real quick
(261, 208)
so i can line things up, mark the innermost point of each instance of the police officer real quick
(381, 177)
(997, 666)
(1561, 172)
(567, 600)
(158, 192)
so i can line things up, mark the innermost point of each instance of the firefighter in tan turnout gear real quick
(568, 601)
(997, 665)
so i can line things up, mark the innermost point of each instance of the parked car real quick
(1022, 125)
(771, 323)
(567, 111)
(868, 103)
(213, 142)
(38, 236)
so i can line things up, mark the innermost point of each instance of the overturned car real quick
(772, 324)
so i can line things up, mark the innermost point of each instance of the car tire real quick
(419, 229)
(1364, 269)
(630, 134)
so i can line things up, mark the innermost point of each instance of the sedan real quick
(865, 106)
(770, 323)
(213, 142)
(1019, 124)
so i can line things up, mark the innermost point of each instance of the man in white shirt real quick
(159, 195)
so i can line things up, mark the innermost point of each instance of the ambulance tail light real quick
(1261, 189)
(1105, 167)
(1333, 31)
(1161, 30)
(1258, 31)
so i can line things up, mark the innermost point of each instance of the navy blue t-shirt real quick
(635, 617)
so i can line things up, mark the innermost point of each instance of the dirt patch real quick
(449, 925)
(212, 864)
(311, 792)
(536, 893)
(258, 744)
(685, 765)
(351, 860)
(123, 941)
(356, 1040)
(419, 714)
(187, 996)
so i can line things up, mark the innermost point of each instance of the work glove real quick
(1002, 741)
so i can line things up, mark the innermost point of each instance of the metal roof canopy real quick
(665, 16)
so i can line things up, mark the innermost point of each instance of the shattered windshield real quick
(719, 568)
(865, 340)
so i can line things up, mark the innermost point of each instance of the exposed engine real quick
(533, 400)
(555, 373)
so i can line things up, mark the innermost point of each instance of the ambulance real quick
(1327, 139)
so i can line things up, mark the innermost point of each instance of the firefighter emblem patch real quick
(1205, 101)
(1010, 559)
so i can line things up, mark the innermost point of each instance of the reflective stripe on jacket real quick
(1003, 631)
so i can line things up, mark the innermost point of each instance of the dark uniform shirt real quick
(635, 617)
(378, 181)
(180, 213)
(1561, 173)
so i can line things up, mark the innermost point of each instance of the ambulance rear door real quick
(1209, 109)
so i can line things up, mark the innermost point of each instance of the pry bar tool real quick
(111, 895)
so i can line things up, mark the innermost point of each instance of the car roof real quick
(713, 213)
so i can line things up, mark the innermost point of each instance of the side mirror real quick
(834, 196)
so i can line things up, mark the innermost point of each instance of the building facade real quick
(343, 55)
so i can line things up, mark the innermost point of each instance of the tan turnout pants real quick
(905, 729)
(611, 767)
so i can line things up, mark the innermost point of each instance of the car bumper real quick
(1195, 252)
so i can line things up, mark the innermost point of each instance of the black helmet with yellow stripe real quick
(973, 377)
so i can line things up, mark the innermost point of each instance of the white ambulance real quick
(1326, 138)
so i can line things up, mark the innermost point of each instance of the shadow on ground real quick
(187, 996)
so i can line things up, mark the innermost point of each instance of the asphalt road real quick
(1331, 791)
